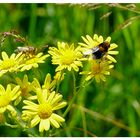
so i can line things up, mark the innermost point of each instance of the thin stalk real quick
(70, 104)
(74, 95)
(41, 134)
(97, 115)
(84, 123)
(58, 83)
(57, 86)
(10, 125)
(24, 127)
(33, 18)
(74, 83)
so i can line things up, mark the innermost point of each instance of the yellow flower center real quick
(4, 100)
(24, 91)
(6, 64)
(67, 58)
(96, 68)
(45, 110)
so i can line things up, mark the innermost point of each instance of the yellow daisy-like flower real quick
(98, 70)
(25, 86)
(10, 64)
(67, 57)
(90, 43)
(7, 96)
(34, 61)
(42, 113)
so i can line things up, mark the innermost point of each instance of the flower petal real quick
(47, 124)
(113, 52)
(35, 121)
(41, 125)
(50, 98)
(4, 56)
(54, 123)
(57, 117)
(111, 58)
(60, 105)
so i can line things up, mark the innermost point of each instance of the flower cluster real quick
(101, 66)
(41, 110)
(37, 103)
(20, 62)
(69, 57)
(41, 102)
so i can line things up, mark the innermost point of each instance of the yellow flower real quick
(7, 96)
(25, 86)
(90, 43)
(10, 64)
(42, 112)
(67, 57)
(33, 61)
(98, 70)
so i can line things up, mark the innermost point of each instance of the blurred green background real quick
(106, 109)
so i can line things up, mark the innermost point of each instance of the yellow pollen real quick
(4, 100)
(24, 91)
(6, 64)
(96, 68)
(45, 110)
(68, 58)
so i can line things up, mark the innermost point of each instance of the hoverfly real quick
(99, 51)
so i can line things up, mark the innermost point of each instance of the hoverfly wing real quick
(88, 52)
(95, 49)
(96, 54)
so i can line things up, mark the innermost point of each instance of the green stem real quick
(74, 95)
(70, 104)
(24, 128)
(32, 25)
(58, 83)
(41, 134)
(10, 125)
(74, 83)
(84, 123)
(57, 87)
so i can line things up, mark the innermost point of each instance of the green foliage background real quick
(106, 109)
